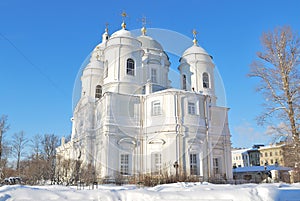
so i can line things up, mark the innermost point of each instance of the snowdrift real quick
(176, 191)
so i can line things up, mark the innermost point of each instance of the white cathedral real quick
(130, 121)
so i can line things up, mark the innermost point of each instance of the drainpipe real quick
(178, 135)
(119, 63)
(176, 127)
(141, 135)
(207, 136)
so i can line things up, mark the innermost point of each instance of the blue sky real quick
(43, 44)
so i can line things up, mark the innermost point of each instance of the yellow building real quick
(271, 154)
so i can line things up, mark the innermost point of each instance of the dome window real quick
(153, 75)
(184, 82)
(98, 93)
(130, 67)
(205, 79)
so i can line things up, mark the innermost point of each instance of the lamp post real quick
(295, 172)
(266, 173)
(175, 165)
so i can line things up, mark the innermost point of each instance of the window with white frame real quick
(124, 164)
(156, 163)
(205, 80)
(216, 165)
(153, 75)
(130, 67)
(191, 108)
(156, 109)
(193, 164)
(98, 93)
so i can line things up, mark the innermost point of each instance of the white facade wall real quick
(135, 129)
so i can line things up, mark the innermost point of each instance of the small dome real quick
(148, 42)
(96, 53)
(122, 33)
(100, 46)
(195, 49)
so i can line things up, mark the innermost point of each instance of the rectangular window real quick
(124, 164)
(191, 108)
(153, 75)
(156, 110)
(216, 165)
(193, 164)
(156, 163)
(270, 153)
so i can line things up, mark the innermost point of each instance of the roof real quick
(122, 33)
(273, 146)
(239, 151)
(260, 168)
(148, 42)
(195, 49)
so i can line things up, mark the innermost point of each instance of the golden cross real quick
(124, 15)
(195, 33)
(144, 21)
(195, 39)
(106, 27)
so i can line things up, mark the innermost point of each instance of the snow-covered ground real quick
(166, 192)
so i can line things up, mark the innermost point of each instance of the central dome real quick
(195, 49)
(148, 42)
(122, 33)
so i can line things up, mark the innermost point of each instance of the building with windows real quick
(240, 158)
(130, 121)
(272, 155)
(254, 155)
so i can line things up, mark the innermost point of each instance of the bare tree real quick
(279, 75)
(49, 144)
(6, 152)
(18, 145)
(36, 160)
(36, 143)
(4, 126)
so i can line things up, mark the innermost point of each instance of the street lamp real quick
(266, 173)
(175, 165)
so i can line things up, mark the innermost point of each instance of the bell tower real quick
(197, 70)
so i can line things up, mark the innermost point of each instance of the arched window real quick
(98, 93)
(205, 79)
(130, 67)
(184, 82)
